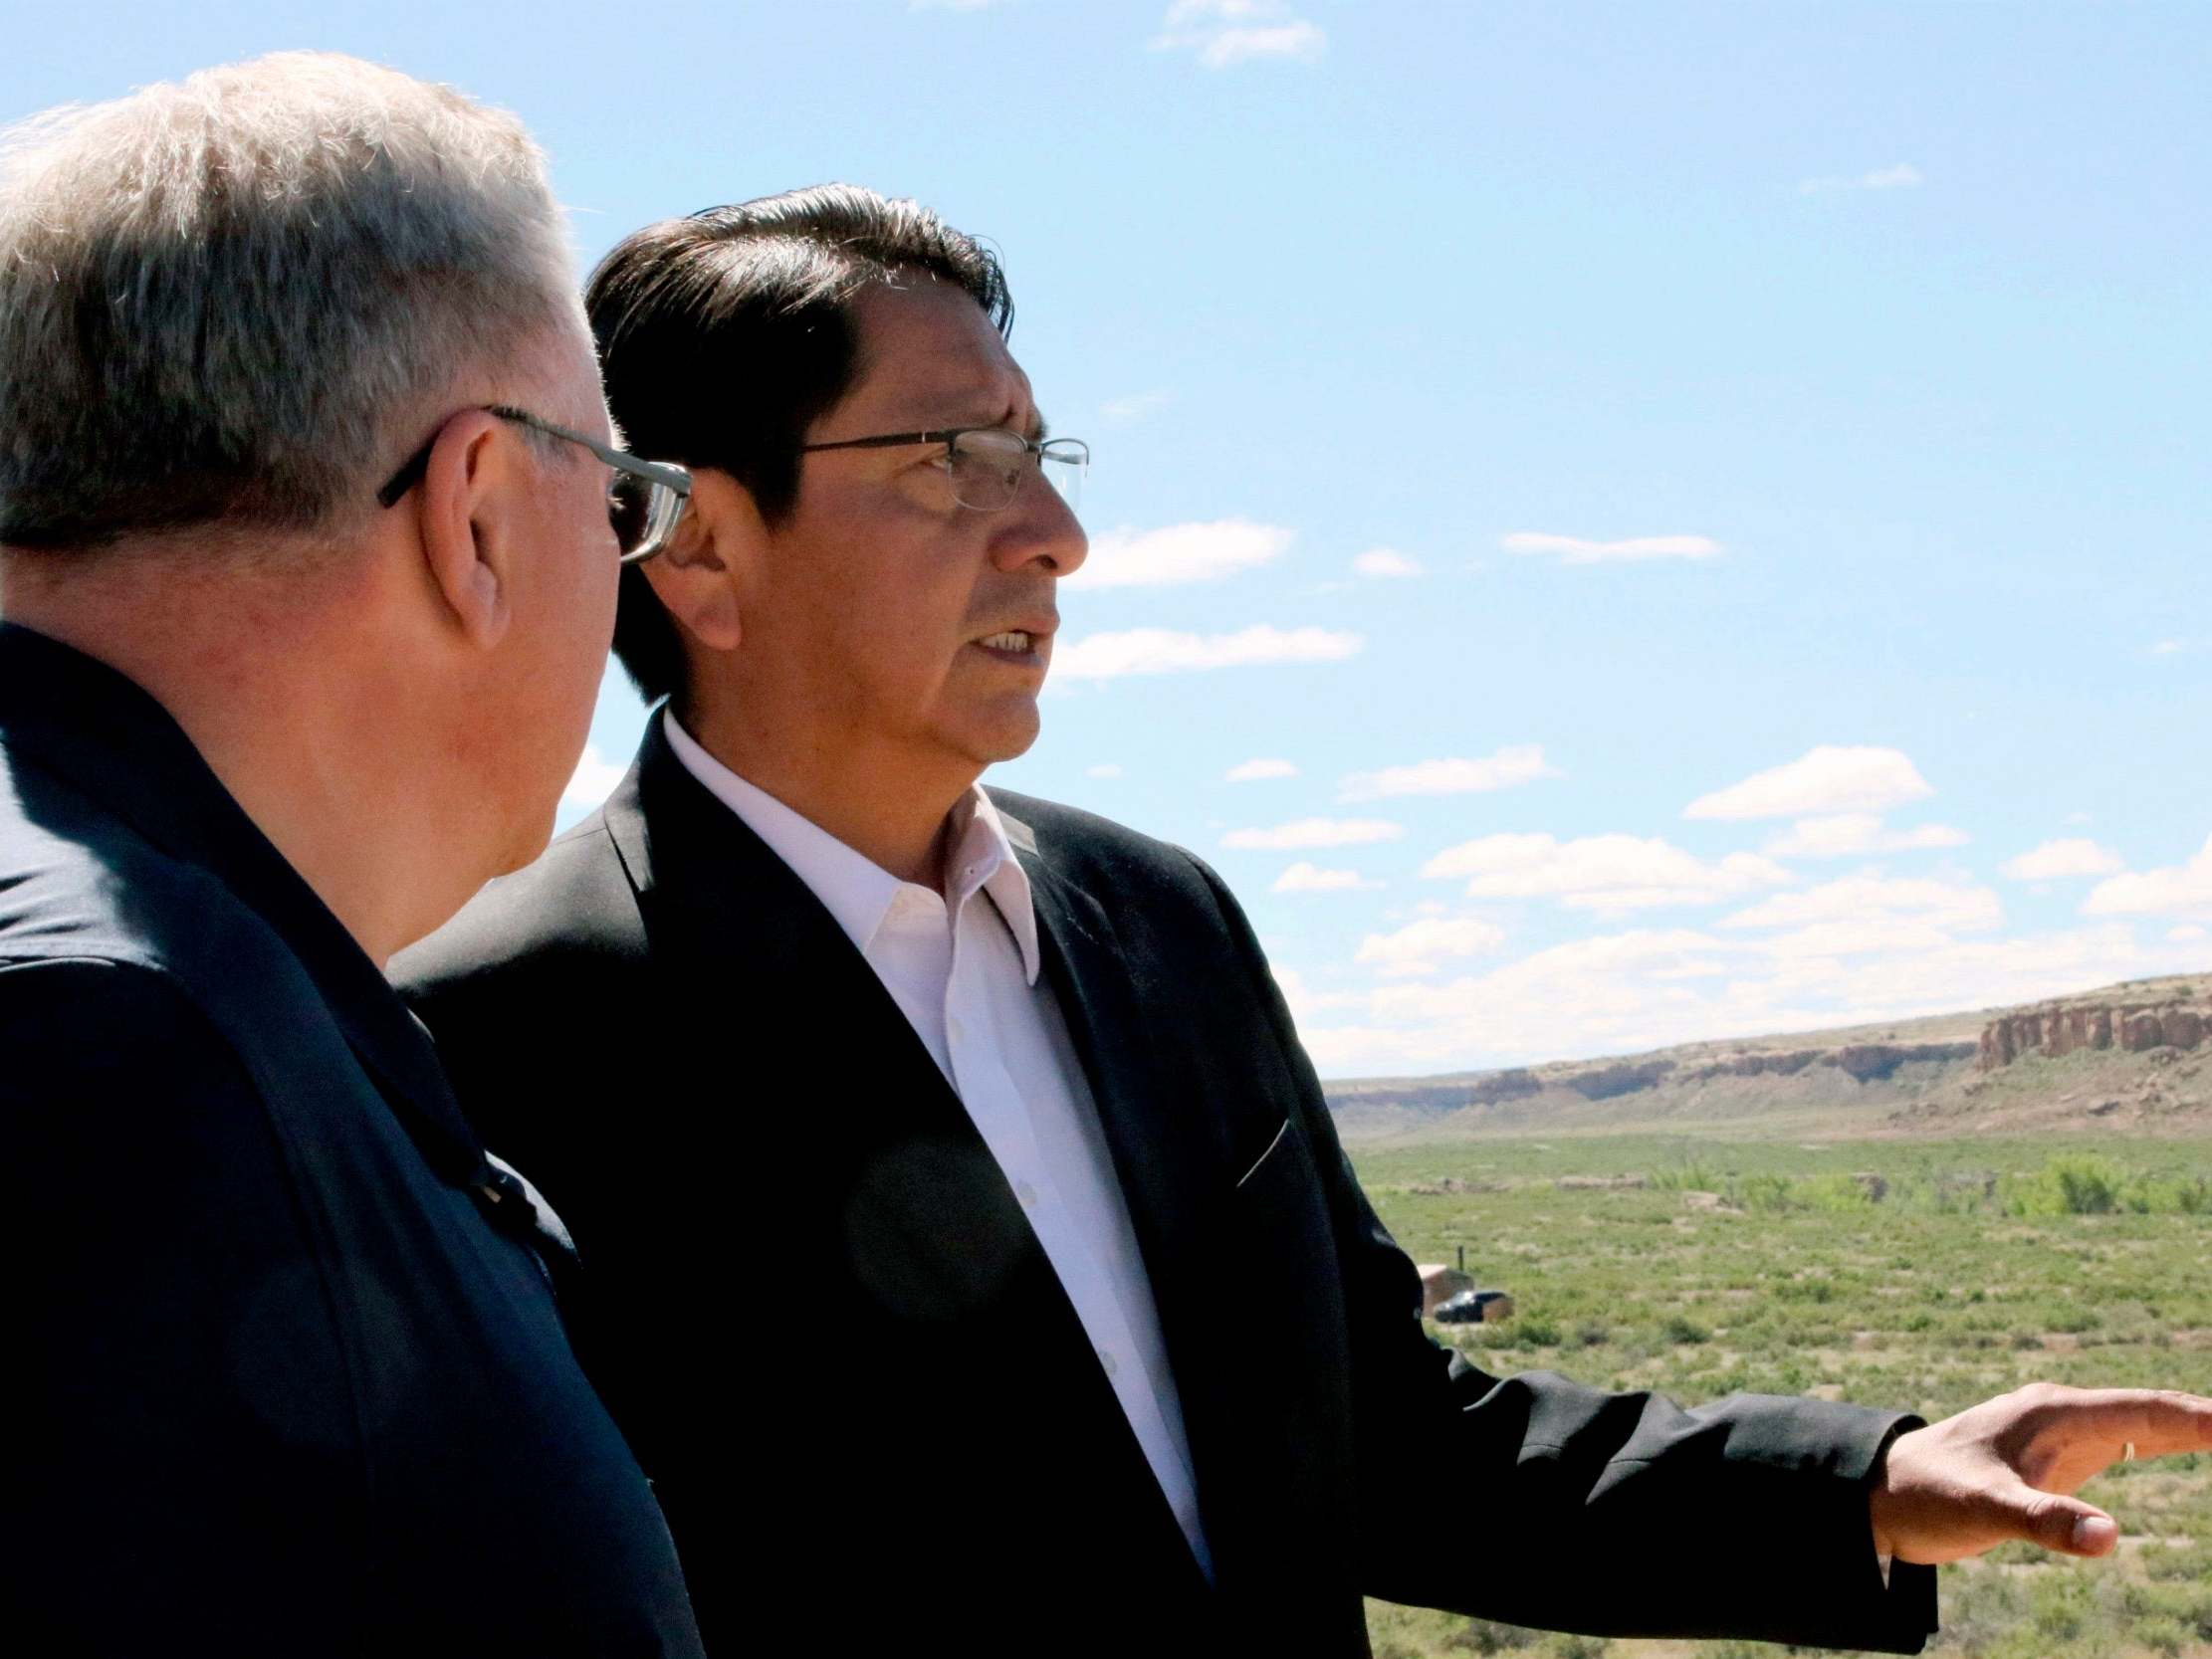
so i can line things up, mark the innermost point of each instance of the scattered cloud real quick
(1224, 33)
(1600, 872)
(2056, 860)
(1383, 562)
(1858, 900)
(1858, 835)
(2181, 891)
(1825, 781)
(1255, 771)
(1175, 555)
(593, 779)
(1622, 992)
(2189, 932)
(1304, 833)
(1135, 407)
(1159, 651)
(1574, 549)
(1105, 768)
(1311, 878)
(1902, 176)
(1420, 947)
(1521, 763)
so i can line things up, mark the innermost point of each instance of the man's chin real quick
(1007, 736)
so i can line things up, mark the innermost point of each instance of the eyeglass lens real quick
(986, 468)
(642, 511)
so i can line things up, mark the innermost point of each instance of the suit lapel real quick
(736, 935)
(837, 1099)
(1169, 1197)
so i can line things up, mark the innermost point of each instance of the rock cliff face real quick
(2062, 1028)
(2141, 1061)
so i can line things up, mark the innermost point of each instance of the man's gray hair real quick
(237, 297)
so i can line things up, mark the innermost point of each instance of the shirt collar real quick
(858, 892)
(82, 720)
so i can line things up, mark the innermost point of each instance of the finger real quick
(2066, 1524)
(2158, 1422)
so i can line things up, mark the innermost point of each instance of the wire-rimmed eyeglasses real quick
(985, 463)
(645, 498)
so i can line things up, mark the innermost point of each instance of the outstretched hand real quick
(2009, 1468)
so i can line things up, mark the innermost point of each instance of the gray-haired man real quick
(307, 573)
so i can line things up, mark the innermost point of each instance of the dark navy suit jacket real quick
(812, 1296)
(288, 1370)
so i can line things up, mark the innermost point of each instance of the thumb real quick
(2066, 1524)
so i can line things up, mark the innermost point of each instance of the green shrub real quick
(1481, 1636)
(2070, 1184)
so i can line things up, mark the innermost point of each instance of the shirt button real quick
(1107, 1360)
(1026, 1193)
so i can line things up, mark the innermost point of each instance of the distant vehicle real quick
(1474, 1308)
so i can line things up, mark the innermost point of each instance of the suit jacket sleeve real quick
(189, 1480)
(1538, 1501)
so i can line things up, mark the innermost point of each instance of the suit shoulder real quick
(79, 887)
(1085, 846)
(572, 906)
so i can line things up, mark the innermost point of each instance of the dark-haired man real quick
(957, 1197)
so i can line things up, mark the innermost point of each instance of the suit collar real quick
(84, 721)
(858, 892)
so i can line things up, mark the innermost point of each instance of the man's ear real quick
(471, 536)
(709, 569)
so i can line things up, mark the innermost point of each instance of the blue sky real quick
(1704, 505)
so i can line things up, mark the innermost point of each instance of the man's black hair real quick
(724, 336)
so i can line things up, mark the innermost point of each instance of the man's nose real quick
(1042, 531)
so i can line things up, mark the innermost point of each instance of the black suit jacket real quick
(285, 1358)
(816, 1304)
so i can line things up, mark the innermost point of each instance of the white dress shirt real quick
(964, 975)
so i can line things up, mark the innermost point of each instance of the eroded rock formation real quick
(2062, 1028)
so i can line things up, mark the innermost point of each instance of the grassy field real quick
(1916, 1274)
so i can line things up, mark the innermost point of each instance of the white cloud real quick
(1827, 781)
(1948, 905)
(1508, 768)
(1384, 562)
(1858, 835)
(1600, 872)
(1574, 549)
(1311, 878)
(1902, 176)
(1105, 768)
(1175, 555)
(1255, 771)
(1625, 992)
(2167, 648)
(1135, 407)
(1420, 947)
(1228, 32)
(2180, 890)
(1158, 651)
(2056, 860)
(593, 779)
(2189, 932)
(1304, 833)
